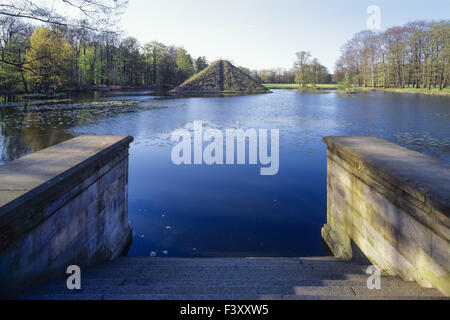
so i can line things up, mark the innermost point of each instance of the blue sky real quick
(266, 33)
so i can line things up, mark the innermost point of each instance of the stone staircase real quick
(230, 279)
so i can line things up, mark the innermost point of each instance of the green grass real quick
(330, 86)
(281, 85)
(433, 91)
(56, 95)
(220, 77)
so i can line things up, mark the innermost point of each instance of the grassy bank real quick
(330, 86)
(433, 91)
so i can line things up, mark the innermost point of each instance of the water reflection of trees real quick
(28, 129)
(25, 132)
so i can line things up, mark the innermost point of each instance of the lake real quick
(205, 211)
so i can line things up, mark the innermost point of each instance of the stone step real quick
(230, 278)
(272, 277)
(342, 289)
(222, 272)
(200, 282)
(167, 266)
(215, 261)
(230, 262)
(200, 273)
(219, 297)
(100, 285)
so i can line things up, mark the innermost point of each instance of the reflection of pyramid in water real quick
(220, 77)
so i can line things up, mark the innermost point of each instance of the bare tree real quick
(415, 55)
(88, 14)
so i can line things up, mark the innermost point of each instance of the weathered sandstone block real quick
(63, 205)
(393, 204)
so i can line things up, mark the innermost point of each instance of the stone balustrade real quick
(63, 205)
(393, 205)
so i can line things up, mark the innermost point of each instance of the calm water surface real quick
(230, 210)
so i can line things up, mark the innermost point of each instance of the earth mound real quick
(221, 77)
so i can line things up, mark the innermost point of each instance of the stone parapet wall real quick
(393, 204)
(63, 205)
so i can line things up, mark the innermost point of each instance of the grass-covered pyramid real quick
(221, 77)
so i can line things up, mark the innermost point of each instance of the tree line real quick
(49, 58)
(414, 55)
(306, 70)
(55, 57)
(81, 53)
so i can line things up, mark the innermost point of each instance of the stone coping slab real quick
(420, 176)
(28, 182)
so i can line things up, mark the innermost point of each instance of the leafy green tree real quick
(130, 62)
(302, 67)
(185, 66)
(14, 42)
(88, 66)
(168, 67)
(48, 60)
(439, 35)
(154, 52)
(346, 83)
(200, 64)
(11, 73)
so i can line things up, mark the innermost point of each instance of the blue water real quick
(232, 210)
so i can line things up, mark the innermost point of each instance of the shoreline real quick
(433, 92)
(292, 86)
(84, 90)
